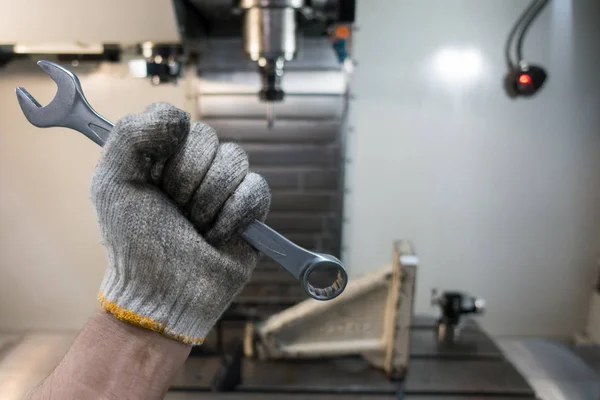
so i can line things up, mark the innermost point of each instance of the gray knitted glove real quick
(171, 202)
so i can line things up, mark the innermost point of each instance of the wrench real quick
(323, 276)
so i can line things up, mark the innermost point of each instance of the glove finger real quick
(250, 201)
(227, 170)
(138, 142)
(245, 258)
(184, 172)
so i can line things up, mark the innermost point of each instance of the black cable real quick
(533, 15)
(532, 6)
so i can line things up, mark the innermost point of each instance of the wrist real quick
(111, 359)
(118, 334)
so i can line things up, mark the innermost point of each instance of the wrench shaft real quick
(70, 109)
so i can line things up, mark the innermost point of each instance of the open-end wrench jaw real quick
(68, 109)
(58, 110)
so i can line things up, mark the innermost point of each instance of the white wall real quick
(51, 259)
(500, 197)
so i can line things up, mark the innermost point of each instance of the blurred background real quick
(373, 121)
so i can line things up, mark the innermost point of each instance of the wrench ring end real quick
(332, 289)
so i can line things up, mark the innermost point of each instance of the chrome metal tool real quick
(323, 276)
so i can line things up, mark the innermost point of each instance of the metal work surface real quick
(27, 359)
(471, 369)
(464, 376)
(590, 354)
(355, 376)
(555, 371)
(473, 344)
(279, 396)
(351, 375)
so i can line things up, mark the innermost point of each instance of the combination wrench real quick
(323, 276)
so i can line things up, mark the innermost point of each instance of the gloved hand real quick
(171, 203)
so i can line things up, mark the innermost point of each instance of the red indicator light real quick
(525, 79)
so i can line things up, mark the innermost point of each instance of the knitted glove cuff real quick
(133, 318)
(124, 303)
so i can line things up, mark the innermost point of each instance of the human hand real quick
(171, 202)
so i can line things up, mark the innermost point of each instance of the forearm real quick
(114, 360)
